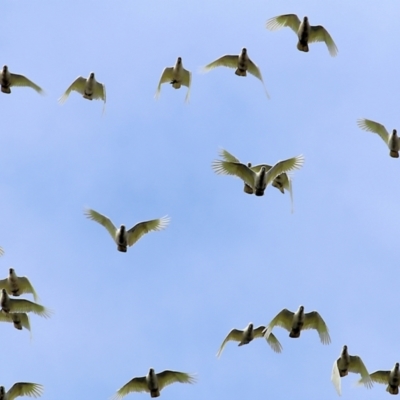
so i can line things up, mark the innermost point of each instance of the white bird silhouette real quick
(247, 335)
(123, 237)
(20, 320)
(242, 63)
(9, 305)
(21, 389)
(153, 383)
(298, 321)
(89, 88)
(7, 79)
(257, 180)
(392, 140)
(390, 378)
(176, 76)
(345, 364)
(305, 32)
(17, 285)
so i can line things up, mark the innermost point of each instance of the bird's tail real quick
(176, 84)
(5, 89)
(392, 389)
(302, 47)
(394, 154)
(154, 393)
(295, 333)
(241, 72)
(259, 192)
(122, 248)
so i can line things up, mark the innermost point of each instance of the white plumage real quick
(21, 389)
(20, 320)
(17, 285)
(7, 79)
(389, 378)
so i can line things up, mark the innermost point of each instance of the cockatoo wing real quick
(233, 168)
(136, 232)
(357, 366)
(335, 378)
(283, 319)
(224, 61)
(26, 287)
(99, 91)
(5, 317)
(313, 320)
(134, 385)
(1, 251)
(228, 156)
(235, 335)
(24, 389)
(271, 339)
(103, 220)
(24, 306)
(187, 81)
(167, 377)
(376, 127)
(254, 70)
(78, 85)
(290, 20)
(320, 34)
(21, 80)
(4, 284)
(378, 377)
(283, 166)
(24, 318)
(166, 76)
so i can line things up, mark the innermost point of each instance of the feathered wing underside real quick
(103, 220)
(24, 306)
(166, 76)
(21, 80)
(1, 251)
(254, 70)
(313, 320)
(167, 377)
(375, 127)
(136, 232)
(228, 156)
(284, 319)
(335, 378)
(224, 61)
(24, 389)
(234, 168)
(234, 335)
(290, 20)
(4, 284)
(378, 377)
(284, 166)
(186, 81)
(320, 34)
(134, 385)
(24, 318)
(25, 286)
(78, 85)
(357, 366)
(271, 339)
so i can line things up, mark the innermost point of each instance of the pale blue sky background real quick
(226, 258)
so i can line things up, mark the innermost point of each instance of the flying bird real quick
(392, 140)
(390, 378)
(345, 364)
(9, 305)
(7, 79)
(247, 335)
(153, 383)
(20, 320)
(259, 178)
(298, 321)
(89, 88)
(242, 63)
(305, 32)
(123, 237)
(176, 76)
(21, 389)
(281, 182)
(17, 285)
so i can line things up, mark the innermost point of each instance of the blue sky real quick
(226, 258)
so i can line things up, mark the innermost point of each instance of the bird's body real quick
(20, 320)
(176, 76)
(21, 389)
(298, 321)
(7, 79)
(392, 140)
(241, 63)
(304, 31)
(246, 335)
(17, 285)
(123, 237)
(389, 378)
(345, 364)
(153, 383)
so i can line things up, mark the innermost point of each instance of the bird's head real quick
(151, 371)
(244, 50)
(305, 19)
(251, 325)
(397, 366)
(122, 228)
(2, 390)
(394, 132)
(179, 60)
(5, 68)
(249, 164)
(12, 272)
(91, 76)
(301, 309)
(344, 351)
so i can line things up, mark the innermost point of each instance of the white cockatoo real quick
(7, 79)
(176, 76)
(281, 182)
(9, 305)
(249, 333)
(241, 62)
(298, 321)
(305, 32)
(17, 285)
(123, 237)
(345, 364)
(257, 180)
(21, 389)
(89, 88)
(153, 383)
(389, 378)
(20, 320)
(392, 141)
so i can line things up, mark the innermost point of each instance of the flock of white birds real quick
(255, 178)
